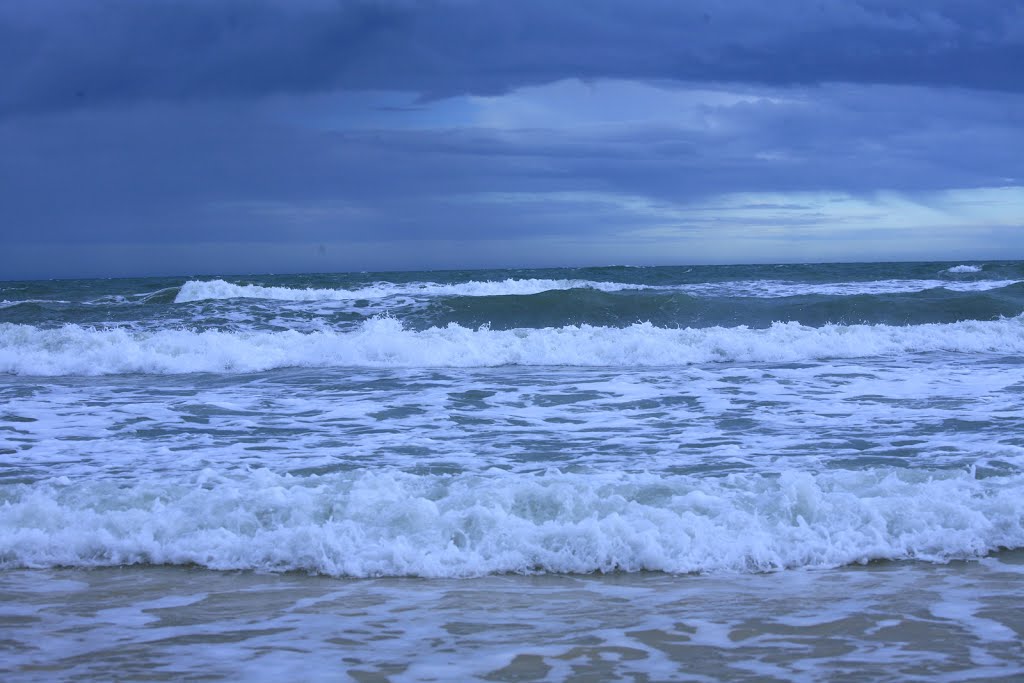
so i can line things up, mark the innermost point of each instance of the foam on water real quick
(137, 298)
(412, 446)
(7, 304)
(965, 269)
(775, 289)
(196, 290)
(382, 342)
(388, 523)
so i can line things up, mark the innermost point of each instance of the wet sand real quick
(883, 621)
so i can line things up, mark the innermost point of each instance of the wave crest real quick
(201, 290)
(383, 342)
(205, 290)
(396, 524)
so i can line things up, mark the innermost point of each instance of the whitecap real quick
(388, 523)
(383, 342)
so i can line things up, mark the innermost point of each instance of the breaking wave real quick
(195, 290)
(205, 290)
(389, 523)
(383, 342)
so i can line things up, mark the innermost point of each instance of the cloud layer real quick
(393, 131)
(64, 54)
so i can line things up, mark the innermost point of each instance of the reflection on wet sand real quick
(883, 621)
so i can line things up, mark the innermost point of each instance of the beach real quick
(770, 472)
(882, 621)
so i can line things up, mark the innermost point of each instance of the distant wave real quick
(134, 299)
(771, 289)
(9, 304)
(203, 290)
(107, 300)
(382, 342)
(964, 269)
(388, 523)
(196, 290)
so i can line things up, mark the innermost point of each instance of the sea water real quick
(792, 472)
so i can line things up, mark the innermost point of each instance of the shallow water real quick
(788, 472)
(883, 621)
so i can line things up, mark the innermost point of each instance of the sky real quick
(218, 137)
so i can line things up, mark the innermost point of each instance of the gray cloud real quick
(170, 173)
(216, 132)
(62, 54)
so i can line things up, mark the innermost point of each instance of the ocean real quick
(768, 472)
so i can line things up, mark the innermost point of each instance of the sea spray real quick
(203, 290)
(383, 342)
(390, 523)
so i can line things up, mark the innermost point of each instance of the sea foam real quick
(205, 290)
(200, 290)
(389, 523)
(383, 342)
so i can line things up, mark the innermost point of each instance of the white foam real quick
(7, 304)
(195, 290)
(120, 299)
(382, 342)
(781, 288)
(388, 523)
(964, 269)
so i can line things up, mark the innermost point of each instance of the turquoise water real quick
(661, 439)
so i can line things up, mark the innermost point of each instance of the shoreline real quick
(883, 620)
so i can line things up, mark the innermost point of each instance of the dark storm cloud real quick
(60, 54)
(218, 172)
(144, 136)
